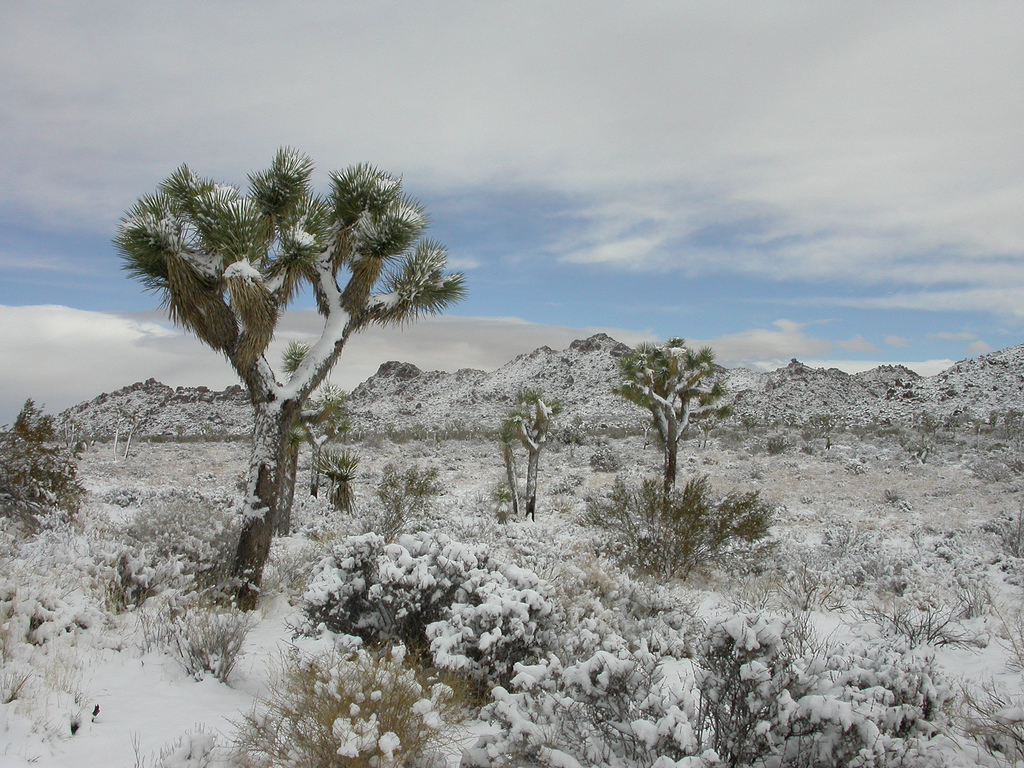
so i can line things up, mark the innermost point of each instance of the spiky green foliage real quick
(677, 384)
(339, 468)
(669, 535)
(226, 264)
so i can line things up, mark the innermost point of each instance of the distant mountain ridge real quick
(400, 395)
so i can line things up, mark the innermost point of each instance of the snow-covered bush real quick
(753, 696)
(209, 641)
(37, 470)
(616, 709)
(427, 591)
(202, 534)
(669, 535)
(343, 710)
(763, 698)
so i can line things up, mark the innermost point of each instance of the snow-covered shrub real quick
(619, 709)
(195, 749)
(753, 696)
(605, 459)
(37, 470)
(367, 708)
(765, 701)
(135, 575)
(209, 641)
(202, 534)
(604, 608)
(921, 621)
(427, 591)
(669, 535)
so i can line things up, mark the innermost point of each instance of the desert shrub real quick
(501, 495)
(761, 696)
(210, 641)
(402, 492)
(622, 708)
(204, 640)
(776, 445)
(753, 696)
(920, 622)
(1010, 531)
(669, 535)
(37, 470)
(371, 708)
(996, 719)
(201, 534)
(432, 594)
(566, 485)
(135, 575)
(605, 459)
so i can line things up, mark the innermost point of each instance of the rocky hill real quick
(402, 396)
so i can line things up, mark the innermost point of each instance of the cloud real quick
(867, 142)
(765, 349)
(951, 336)
(857, 344)
(61, 356)
(979, 348)
(897, 341)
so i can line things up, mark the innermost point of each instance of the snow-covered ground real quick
(933, 532)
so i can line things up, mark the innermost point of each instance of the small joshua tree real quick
(530, 421)
(677, 385)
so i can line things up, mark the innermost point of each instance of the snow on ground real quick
(148, 703)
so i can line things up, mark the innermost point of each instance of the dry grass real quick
(350, 710)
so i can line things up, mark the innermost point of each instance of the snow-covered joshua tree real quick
(675, 383)
(530, 421)
(228, 264)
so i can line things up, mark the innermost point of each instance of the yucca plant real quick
(339, 467)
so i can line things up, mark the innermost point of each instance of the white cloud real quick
(60, 356)
(867, 141)
(897, 341)
(857, 344)
(765, 349)
(979, 348)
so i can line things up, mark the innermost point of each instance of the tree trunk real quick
(314, 473)
(671, 458)
(510, 473)
(273, 423)
(531, 485)
(283, 524)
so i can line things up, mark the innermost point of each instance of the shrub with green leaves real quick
(37, 470)
(401, 493)
(667, 535)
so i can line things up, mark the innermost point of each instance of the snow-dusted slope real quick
(400, 395)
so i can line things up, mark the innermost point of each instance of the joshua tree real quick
(530, 421)
(673, 382)
(507, 436)
(228, 264)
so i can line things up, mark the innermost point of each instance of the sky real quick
(838, 182)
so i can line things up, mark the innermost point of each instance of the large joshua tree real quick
(677, 384)
(228, 263)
